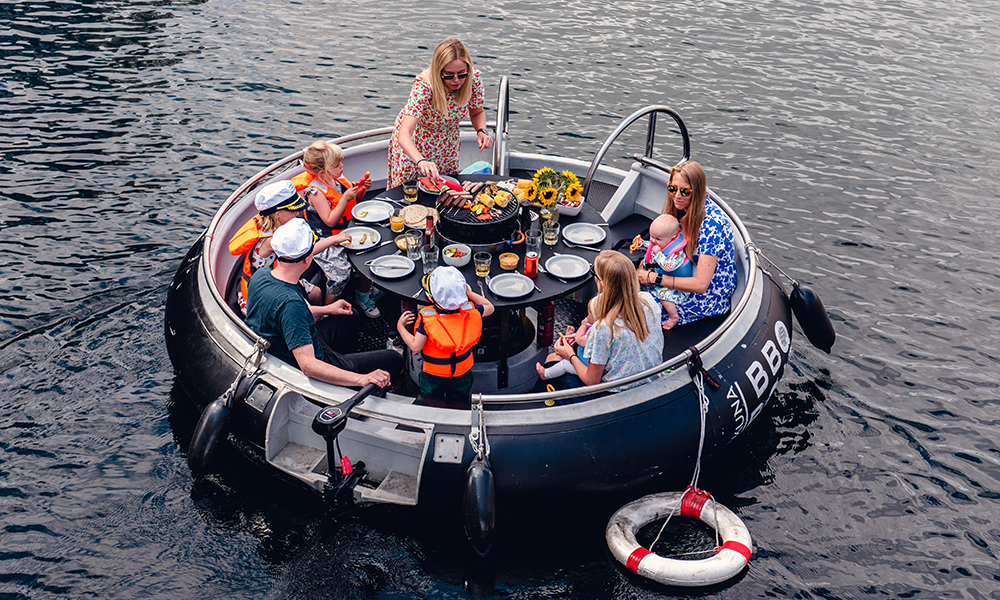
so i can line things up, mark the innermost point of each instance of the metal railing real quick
(500, 155)
(647, 158)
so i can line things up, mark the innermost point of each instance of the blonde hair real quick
(268, 222)
(592, 307)
(446, 52)
(695, 213)
(321, 157)
(620, 298)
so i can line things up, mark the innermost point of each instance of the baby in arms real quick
(665, 255)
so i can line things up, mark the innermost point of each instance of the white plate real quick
(372, 211)
(511, 285)
(421, 187)
(583, 233)
(357, 233)
(567, 266)
(391, 266)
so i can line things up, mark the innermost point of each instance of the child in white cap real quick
(446, 332)
(276, 203)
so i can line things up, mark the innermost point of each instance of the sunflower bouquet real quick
(553, 187)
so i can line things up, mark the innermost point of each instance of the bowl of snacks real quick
(456, 255)
(401, 242)
(570, 208)
(508, 261)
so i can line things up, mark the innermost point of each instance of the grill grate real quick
(465, 216)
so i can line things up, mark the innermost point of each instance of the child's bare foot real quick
(541, 371)
(671, 321)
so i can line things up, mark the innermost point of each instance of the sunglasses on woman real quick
(450, 76)
(673, 189)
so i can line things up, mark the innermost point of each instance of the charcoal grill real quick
(461, 226)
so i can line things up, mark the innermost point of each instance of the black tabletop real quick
(548, 286)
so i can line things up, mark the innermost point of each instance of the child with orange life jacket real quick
(446, 332)
(276, 203)
(331, 201)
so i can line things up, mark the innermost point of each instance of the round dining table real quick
(547, 286)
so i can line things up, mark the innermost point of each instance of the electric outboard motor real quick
(479, 506)
(342, 478)
(812, 317)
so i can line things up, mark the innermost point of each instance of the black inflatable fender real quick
(213, 426)
(479, 506)
(812, 317)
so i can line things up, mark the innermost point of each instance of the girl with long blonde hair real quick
(625, 337)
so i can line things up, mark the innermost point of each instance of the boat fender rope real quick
(477, 436)
(695, 366)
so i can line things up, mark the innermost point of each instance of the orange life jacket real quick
(304, 180)
(450, 339)
(243, 242)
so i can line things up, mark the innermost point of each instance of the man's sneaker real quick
(368, 306)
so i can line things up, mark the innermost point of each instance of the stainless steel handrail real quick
(652, 111)
(500, 156)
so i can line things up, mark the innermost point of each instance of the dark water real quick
(858, 139)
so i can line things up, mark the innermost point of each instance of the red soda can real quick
(531, 264)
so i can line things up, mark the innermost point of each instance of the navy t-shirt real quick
(279, 312)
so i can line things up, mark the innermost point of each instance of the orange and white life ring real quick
(730, 558)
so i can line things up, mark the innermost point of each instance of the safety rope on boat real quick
(253, 360)
(751, 247)
(477, 436)
(699, 376)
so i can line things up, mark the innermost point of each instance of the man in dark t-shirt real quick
(277, 309)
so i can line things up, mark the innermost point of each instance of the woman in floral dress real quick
(710, 246)
(425, 141)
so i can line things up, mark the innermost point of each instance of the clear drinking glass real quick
(550, 233)
(430, 256)
(482, 260)
(414, 243)
(410, 190)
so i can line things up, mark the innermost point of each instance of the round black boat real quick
(414, 454)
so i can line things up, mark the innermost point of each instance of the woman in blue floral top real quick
(710, 246)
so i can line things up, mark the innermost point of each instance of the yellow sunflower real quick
(548, 195)
(544, 173)
(531, 192)
(570, 178)
(573, 192)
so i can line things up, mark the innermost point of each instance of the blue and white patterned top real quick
(624, 354)
(715, 238)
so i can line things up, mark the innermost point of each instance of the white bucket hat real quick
(293, 241)
(447, 287)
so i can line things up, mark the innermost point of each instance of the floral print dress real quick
(436, 135)
(715, 238)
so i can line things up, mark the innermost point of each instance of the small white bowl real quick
(570, 211)
(457, 261)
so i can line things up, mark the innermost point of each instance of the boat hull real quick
(611, 445)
